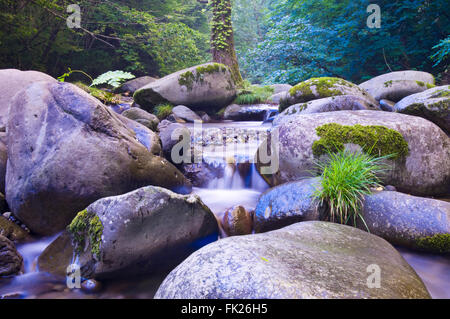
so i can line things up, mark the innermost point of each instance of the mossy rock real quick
(318, 88)
(207, 87)
(375, 140)
(432, 104)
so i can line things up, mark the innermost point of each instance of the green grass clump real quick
(346, 177)
(163, 110)
(253, 94)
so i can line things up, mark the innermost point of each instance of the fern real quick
(112, 78)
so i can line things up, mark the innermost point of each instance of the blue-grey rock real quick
(302, 261)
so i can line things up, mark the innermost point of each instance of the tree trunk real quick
(222, 39)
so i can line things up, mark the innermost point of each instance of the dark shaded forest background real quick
(277, 41)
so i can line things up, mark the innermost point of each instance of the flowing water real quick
(238, 184)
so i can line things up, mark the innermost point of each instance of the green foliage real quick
(439, 243)
(346, 178)
(442, 52)
(309, 38)
(163, 110)
(143, 37)
(112, 78)
(253, 94)
(103, 96)
(373, 139)
(86, 224)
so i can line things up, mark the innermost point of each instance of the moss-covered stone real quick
(374, 139)
(439, 243)
(86, 224)
(188, 78)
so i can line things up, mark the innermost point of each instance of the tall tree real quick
(222, 39)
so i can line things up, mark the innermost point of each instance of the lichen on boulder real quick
(318, 88)
(86, 225)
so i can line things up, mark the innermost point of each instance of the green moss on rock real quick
(438, 243)
(86, 224)
(188, 78)
(374, 140)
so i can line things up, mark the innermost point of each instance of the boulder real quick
(66, 150)
(237, 221)
(148, 120)
(287, 204)
(3, 161)
(171, 134)
(185, 113)
(422, 167)
(302, 261)
(13, 81)
(278, 88)
(207, 87)
(135, 233)
(258, 112)
(278, 97)
(405, 220)
(135, 84)
(319, 88)
(396, 85)
(11, 263)
(329, 104)
(432, 104)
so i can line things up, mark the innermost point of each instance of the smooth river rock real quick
(140, 232)
(424, 171)
(432, 104)
(11, 263)
(396, 85)
(301, 261)
(66, 150)
(206, 87)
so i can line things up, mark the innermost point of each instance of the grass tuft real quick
(346, 177)
(253, 94)
(163, 110)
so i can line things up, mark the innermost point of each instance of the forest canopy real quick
(277, 41)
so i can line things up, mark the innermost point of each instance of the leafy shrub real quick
(113, 78)
(346, 177)
(163, 110)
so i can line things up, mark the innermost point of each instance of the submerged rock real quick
(407, 220)
(11, 263)
(301, 261)
(319, 88)
(13, 81)
(433, 104)
(12, 231)
(135, 233)
(421, 165)
(66, 150)
(205, 87)
(396, 85)
(287, 204)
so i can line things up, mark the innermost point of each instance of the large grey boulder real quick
(405, 220)
(432, 104)
(147, 119)
(287, 204)
(278, 88)
(425, 170)
(135, 233)
(11, 263)
(205, 87)
(329, 104)
(135, 84)
(66, 150)
(319, 88)
(13, 81)
(302, 261)
(396, 85)
(3, 162)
